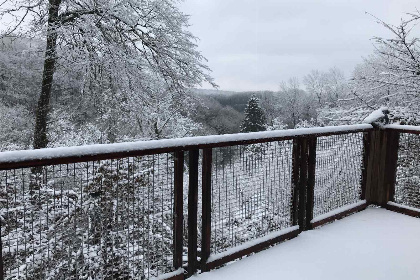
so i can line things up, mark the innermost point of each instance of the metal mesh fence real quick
(109, 219)
(338, 171)
(251, 192)
(407, 189)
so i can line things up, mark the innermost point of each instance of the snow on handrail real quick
(407, 128)
(165, 145)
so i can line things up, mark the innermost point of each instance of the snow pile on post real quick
(378, 117)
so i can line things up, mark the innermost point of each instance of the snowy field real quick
(372, 244)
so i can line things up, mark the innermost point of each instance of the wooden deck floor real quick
(372, 244)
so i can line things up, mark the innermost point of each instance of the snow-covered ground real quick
(372, 244)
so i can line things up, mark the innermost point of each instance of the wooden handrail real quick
(67, 155)
(403, 128)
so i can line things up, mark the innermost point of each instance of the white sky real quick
(256, 44)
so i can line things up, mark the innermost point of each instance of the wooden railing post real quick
(391, 162)
(178, 208)
(310, 191)
(1, 256)
(192, 211)
(303, 180)
(206, 208)
(294, 215)
(380, 166)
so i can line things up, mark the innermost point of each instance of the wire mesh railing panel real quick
(251, 192)
(338, 171)
(109, 219)
(407, 188)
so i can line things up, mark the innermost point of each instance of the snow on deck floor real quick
(372, 244)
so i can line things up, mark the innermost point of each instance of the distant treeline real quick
(236, 100)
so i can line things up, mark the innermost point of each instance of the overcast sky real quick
(256, 44)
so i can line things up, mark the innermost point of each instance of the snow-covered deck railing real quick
(117, 211)
(29, 158)
(404, 128)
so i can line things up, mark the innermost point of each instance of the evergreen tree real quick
(254, 117)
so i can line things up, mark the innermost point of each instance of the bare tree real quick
(391, 76)
(297, 104)
(132, 39)
(328, 86)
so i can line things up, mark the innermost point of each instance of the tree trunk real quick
(43, 108)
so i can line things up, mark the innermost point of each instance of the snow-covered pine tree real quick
(254, 117)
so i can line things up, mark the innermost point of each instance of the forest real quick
(83, 112)
(75, 73)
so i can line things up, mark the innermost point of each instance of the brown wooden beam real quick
(174, 277)
(391, 163)
(409, 131)
(206, 207)
(380, 159)
(177, 277)
(294, 213)
(178, 208)
(253, 249)
(303, 181)
(192, 211)
(339, 216)
(1, 257)
(311, 182)
(402, 210)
